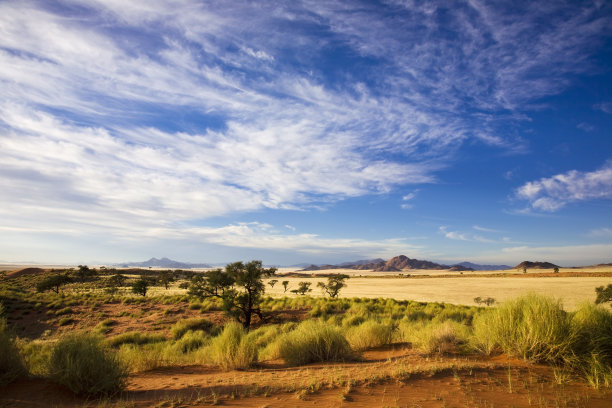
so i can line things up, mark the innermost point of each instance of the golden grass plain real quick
(459, 289)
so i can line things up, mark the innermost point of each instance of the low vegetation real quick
(82, 363)
(293, 330)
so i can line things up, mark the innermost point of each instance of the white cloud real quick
(600, 233)
(604, 107)
(551, 194)
(483, 229)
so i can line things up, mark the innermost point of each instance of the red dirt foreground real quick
(392, 377)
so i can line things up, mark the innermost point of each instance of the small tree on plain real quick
(53, 283)
(272, 282)
(285, 285)
(85, 273)
(556, 270)
(240, 286)
(303, 288)
(166, 278)
(604, 295)
(335, 282)
(140, 287)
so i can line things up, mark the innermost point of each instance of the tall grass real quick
(134, 337)
(533, 327)
(537, 328)
(183, 326)
(82, 363)
(232, 349)
(435, 337)
(312, 342)
(369, 334)
(11, 365)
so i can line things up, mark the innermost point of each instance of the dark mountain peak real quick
(536, 265)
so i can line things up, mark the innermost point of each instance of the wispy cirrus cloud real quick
(553, 193)
(120, 115)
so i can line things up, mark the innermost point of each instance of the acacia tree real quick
(272, 282)
(141, 286)
(285, 284)
(53, 283)
(303, 288)
(166, 278)
(604, 295)
(240, 286)
(335, 282)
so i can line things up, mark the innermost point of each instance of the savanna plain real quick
(247, 336)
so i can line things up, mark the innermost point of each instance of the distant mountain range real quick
(394, 264)
(478, 267)
(163, 263)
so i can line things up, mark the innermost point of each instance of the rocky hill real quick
(536, 265)
(163, 263)
(478, 267)
(395, 264)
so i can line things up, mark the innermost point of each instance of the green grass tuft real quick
(313, 341)
(232, 349)
(82, 363)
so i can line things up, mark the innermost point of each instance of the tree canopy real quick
(240, 286)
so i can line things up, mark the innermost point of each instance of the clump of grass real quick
(36, 355)
(533, 327)
(11, 365)
(232, 349)
(82, 363)
(142, 358)
(104, 326)
(192, 340)
(313, 341)
(64, 321)
(592, 348)
(369, 334)
(435, 337)
(66, 310)
(134, 337)
(183, 326)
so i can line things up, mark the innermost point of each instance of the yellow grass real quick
(571, 290)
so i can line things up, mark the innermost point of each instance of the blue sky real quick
(305, 131)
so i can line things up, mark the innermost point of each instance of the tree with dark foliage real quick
(335, 282)
(240, 286)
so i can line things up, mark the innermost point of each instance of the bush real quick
(369, 334)
(11, 366)
(232, 349)
(183, 326)
(84, 365)
(313, 342)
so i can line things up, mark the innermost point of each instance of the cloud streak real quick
(121, 116)
(553, 193)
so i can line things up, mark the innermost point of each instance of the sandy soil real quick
(391, 377)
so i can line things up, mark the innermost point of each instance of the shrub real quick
(11, 365)
(183, 326)
(369, 334)
(232, 349)
(64, 321)
(84, 365)
(312, 342)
